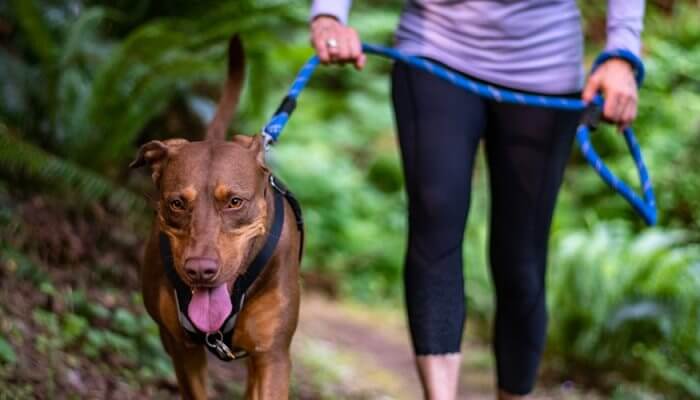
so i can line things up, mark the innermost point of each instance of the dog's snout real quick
(201, 269)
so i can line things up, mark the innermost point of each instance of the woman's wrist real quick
(323, 21)
(338, 9)
(324, 17)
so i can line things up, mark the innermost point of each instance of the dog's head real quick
(212, 203)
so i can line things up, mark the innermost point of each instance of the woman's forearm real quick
(339, 9)
(625, 24)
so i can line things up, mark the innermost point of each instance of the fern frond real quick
(19, 158)
(140, 76)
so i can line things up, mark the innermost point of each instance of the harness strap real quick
(296, 209)
(216, 342)
(245, 281)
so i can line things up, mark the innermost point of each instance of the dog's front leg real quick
(268, 376)
(190, 367)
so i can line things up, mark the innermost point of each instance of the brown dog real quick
(223, 242)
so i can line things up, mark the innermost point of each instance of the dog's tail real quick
(232, 90)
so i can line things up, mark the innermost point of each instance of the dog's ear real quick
(155, 153)
(256, 145)
(232, 90)
(259, 147)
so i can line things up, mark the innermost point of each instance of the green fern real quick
(107, 91)
(612, 295)
(19, 158)
(164, 57)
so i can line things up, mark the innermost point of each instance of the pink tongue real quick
(209, 308)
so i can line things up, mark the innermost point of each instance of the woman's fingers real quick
(360, 63)
(615, 80)
(347, 41)
(614, 104)
(324, 38)
(321, 49)
(344, 48)
(620, 105)
(336, 43)
(628, 115)
(592, 87)
(356, 51)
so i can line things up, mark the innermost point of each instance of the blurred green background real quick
(84, 83)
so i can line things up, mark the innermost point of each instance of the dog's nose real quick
(201, 269)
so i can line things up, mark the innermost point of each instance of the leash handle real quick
(646, 206)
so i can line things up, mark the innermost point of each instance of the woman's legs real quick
(527, 149)
(439, 129)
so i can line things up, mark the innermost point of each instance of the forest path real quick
(377, 346)
(349, 351)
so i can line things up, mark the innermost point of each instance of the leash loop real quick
(644, 205)
(626, 55)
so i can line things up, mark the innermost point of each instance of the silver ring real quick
(332, 43)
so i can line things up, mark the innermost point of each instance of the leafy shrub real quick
(628, 305)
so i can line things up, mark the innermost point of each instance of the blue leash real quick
(645, 205)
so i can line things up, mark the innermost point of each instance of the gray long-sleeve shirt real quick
(533, 45)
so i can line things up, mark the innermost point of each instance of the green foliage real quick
(93, 330)
(21, 159)
(25, 268)
(7, 353)
(628, 304)
(107, 91)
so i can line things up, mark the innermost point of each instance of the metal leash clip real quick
(279, 186)
(215, 342)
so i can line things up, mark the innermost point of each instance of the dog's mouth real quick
(209, 307)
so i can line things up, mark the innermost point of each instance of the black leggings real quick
(440, 127)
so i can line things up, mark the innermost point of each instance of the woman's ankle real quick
(439, 375)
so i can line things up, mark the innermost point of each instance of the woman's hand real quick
(335, 42)
(615, 80)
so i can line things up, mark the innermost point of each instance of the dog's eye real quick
(235, 203)
(177, 205)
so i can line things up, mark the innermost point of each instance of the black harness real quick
(216, 342)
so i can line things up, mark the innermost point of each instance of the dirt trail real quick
(345, 351)
(379, 345)
(370, 342)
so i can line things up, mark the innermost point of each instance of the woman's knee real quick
(440, 203)
(519, 284)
